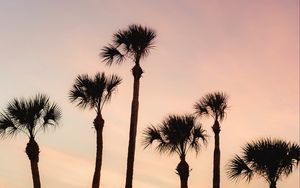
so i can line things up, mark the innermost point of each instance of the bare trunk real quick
(183, 172)
(273, 185)
(137, 72)
(32, 151)
(98, 124)
(216, 167)
(35, 174)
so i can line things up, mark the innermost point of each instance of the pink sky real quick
(249, 49)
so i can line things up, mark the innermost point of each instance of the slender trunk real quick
(273, 185)
(32, 151)
(183, 172)
(216, 167)
(137, 72)
(98, 124)
(35, 174)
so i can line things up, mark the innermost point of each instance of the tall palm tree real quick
(177, 134)
(268, 158)
(133, 43)
(30, 116)
(214, 105)
(93, 93)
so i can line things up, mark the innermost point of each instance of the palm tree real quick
(133, 43)
(268, 158)
(94, 93)
(214, 105)
(29, 116)
(177, 134)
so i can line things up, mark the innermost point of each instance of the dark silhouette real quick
(30, 116)
(215, 105)
(177, 134)
(133, 43)
(94, 93)
(268, 158)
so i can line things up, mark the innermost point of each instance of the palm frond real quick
(201, 109)
(7, 126)
(111, 54)
(78, 94)
(51, 116)
(133, 42)
(270, 158)
(36, 108)
(198, 134)
(93, 92)
(176, 134)
(151, 134)
(141, 39)
(238, 169)
(17, 109)
(220, 104)
(82, 92)
(27, 115)
(97, 91)
(121, 38)
(214, 104)
(292, 158)
(112, 82)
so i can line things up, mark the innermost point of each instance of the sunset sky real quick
(248, 49)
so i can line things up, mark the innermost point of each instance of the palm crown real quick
(267, 158)
(213, 104)
(176, 134)
(134, 42)
(93, 92)
(29, 116)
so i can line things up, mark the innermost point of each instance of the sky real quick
(248, 49)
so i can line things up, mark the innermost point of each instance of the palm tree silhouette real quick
(133, 43)
(30, 116)
(177, 134)
(215, 105)
(268, 158)
(93, 93)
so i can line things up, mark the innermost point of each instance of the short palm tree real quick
(177, 134)
(268, 158)
(30, 116)
(93, 93)
(214, 105)
(133, 43)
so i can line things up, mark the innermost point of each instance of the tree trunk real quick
(32, 151)
(137, 72)
(273, 185)
(216, 167)
(183, 172)
(98, 124)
